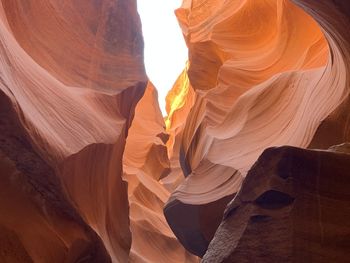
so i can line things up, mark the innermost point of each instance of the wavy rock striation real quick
(145, 163)
(302, 214)
(71, 73)
(88, 165)
(265, 73)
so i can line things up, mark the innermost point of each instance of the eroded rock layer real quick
(91, 172)
(292, 207)
(265, 73)
(145, 163)
(71, 73)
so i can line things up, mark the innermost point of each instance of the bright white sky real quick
(165, 48)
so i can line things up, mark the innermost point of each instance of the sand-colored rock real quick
(243, 85)
(145, 163)
(71, 73)
(265, 73)
(179, 102)
(37, 221)
(88, 165)
(292, 207)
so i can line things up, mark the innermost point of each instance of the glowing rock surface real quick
(91, 171)
(265, 74)
(145, 162)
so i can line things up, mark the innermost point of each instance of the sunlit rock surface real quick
(179, 102)
(265, 73)
(90, 171)
(145, 163)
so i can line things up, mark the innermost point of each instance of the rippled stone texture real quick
(145, 162)
(265, 73)
(79, 118)
(292, 207)
(71, 73)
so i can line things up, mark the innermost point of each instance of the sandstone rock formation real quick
(88, 164)
(265, 73)
(71, 74)
(292, 207)
(145, 163)
(179, 102)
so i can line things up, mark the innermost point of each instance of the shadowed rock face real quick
(195, 225)
(71, 74)
(293, 207)
(193, 211)
(37, 218)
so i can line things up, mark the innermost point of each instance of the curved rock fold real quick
(250, 165)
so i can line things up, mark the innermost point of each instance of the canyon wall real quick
(145, 164)
(92, 172)
(71, 75)
(265, 73)
(292, 207)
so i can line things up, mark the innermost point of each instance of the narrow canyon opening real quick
(165, 52)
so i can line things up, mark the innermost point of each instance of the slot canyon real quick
(251, 163)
